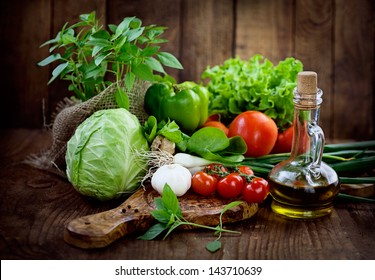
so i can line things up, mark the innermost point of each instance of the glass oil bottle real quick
(303, 186)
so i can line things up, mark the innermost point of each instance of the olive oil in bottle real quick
(303, 186)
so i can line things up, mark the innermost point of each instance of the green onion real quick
(345, 158)
(355, 165)
(363, 145)
(357, 180)
(355, 198)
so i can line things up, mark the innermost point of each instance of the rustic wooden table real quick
(36, 206)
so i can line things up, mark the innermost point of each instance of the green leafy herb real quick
(169, 216)
(255, 84)
(213, 246)
(212, 144)
(91, 58)
(169, 130)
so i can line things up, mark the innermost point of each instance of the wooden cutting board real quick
(134, 215)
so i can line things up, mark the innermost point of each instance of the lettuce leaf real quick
(255, 84)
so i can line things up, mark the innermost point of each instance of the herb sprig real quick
(169, 216)
(92, 58)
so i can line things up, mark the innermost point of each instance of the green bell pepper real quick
(185, 103)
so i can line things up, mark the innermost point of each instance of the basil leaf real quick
(49, 59)
(154, 64)
(161, 215)
(150, 128)
(169, 60)
(122, 98)
(99, 58)
(221, 158)
(170, 201)
(149, 51)
(129, 80)
(134, 33)
(57, 71)
(143, 72)
(171, 131)
(153, 232)
(231, 205)
(209, 139)
(101, 34)
(122, 27)
(213, 246)
(158, 203)
(237, 145)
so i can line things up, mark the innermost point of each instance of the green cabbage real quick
(101, 156)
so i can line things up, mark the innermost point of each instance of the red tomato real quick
(258, 130)
(203, 184)
(218, 125)
(246, 172)
(244, 169)
(284, 141)
(214, 117)
(230, 186)
(256, 191)
(216, 170)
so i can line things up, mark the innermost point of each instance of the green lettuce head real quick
(101, 156)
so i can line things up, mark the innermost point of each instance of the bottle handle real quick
(316, 147)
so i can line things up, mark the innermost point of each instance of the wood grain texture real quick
(24, 26)
(36, 206)
(207, 35)
(314, 47)
(266, 28)
(354, 70)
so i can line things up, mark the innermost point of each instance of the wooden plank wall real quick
(332, 37)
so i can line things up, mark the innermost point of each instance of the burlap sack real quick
(70, 114)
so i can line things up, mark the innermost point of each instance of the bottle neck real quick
(308, 139)
(304, 121)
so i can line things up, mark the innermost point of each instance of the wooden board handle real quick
(101, 229)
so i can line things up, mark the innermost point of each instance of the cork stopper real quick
(307, 95)
(307, 83)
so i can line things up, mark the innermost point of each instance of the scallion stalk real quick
(362, 145)
(355, 198)
(344, 158)
(357, 180)
(355, 165)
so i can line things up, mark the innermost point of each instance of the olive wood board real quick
(134, 215)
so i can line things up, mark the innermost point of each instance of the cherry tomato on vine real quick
(230, 186)
(216, 170)
(245, 169)
(258, 130)
(203, 183)
(256, 191)
(246, 172)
